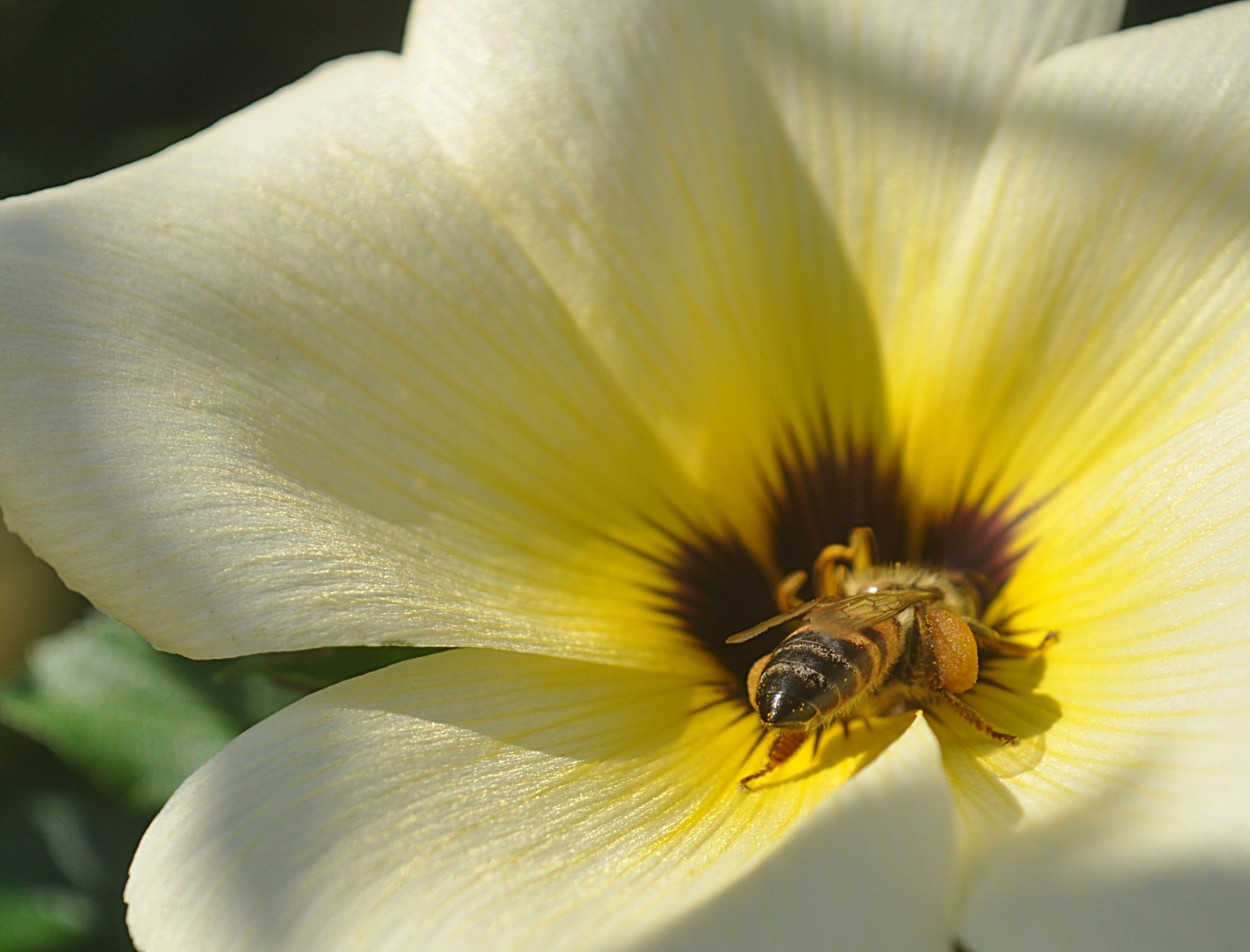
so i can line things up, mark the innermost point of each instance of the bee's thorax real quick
(958, 596)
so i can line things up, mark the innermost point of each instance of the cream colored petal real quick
(876, 866)
(1130, 812)
(1096, 304)
(1099, 885)
(287, 384)
(33, 602)
(486, 800)
(637, 154)
(892, 105)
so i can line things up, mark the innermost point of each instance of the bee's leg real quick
(990, 640)
(787, 591)
(785, 746)
(952, 646)
(848, 721)
(975, 719)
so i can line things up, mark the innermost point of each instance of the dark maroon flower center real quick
(716, 586)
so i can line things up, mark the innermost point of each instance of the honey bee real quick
(876, 640)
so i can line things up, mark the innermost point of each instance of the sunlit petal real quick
(668, 209)
(891, 106)
(481, 799)
(1095, 305)
(289, 375)
(1144, 773)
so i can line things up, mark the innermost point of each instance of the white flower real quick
(565, 334)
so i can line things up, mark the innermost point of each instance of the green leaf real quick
(64, 851)
(43, 919)
(100, 703)
(136, 721)
(320, 667)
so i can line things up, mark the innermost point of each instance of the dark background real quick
(86, 85)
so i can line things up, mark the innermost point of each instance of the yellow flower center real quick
(862, 606)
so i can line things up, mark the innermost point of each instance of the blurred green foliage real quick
(103, 729)
(134, 721)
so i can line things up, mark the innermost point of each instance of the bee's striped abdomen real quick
(813, 677)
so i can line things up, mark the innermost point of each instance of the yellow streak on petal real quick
(1143, 576)
(1094, 303)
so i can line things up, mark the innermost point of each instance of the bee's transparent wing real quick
(849, 614)
(865, 609)
(773, 622)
